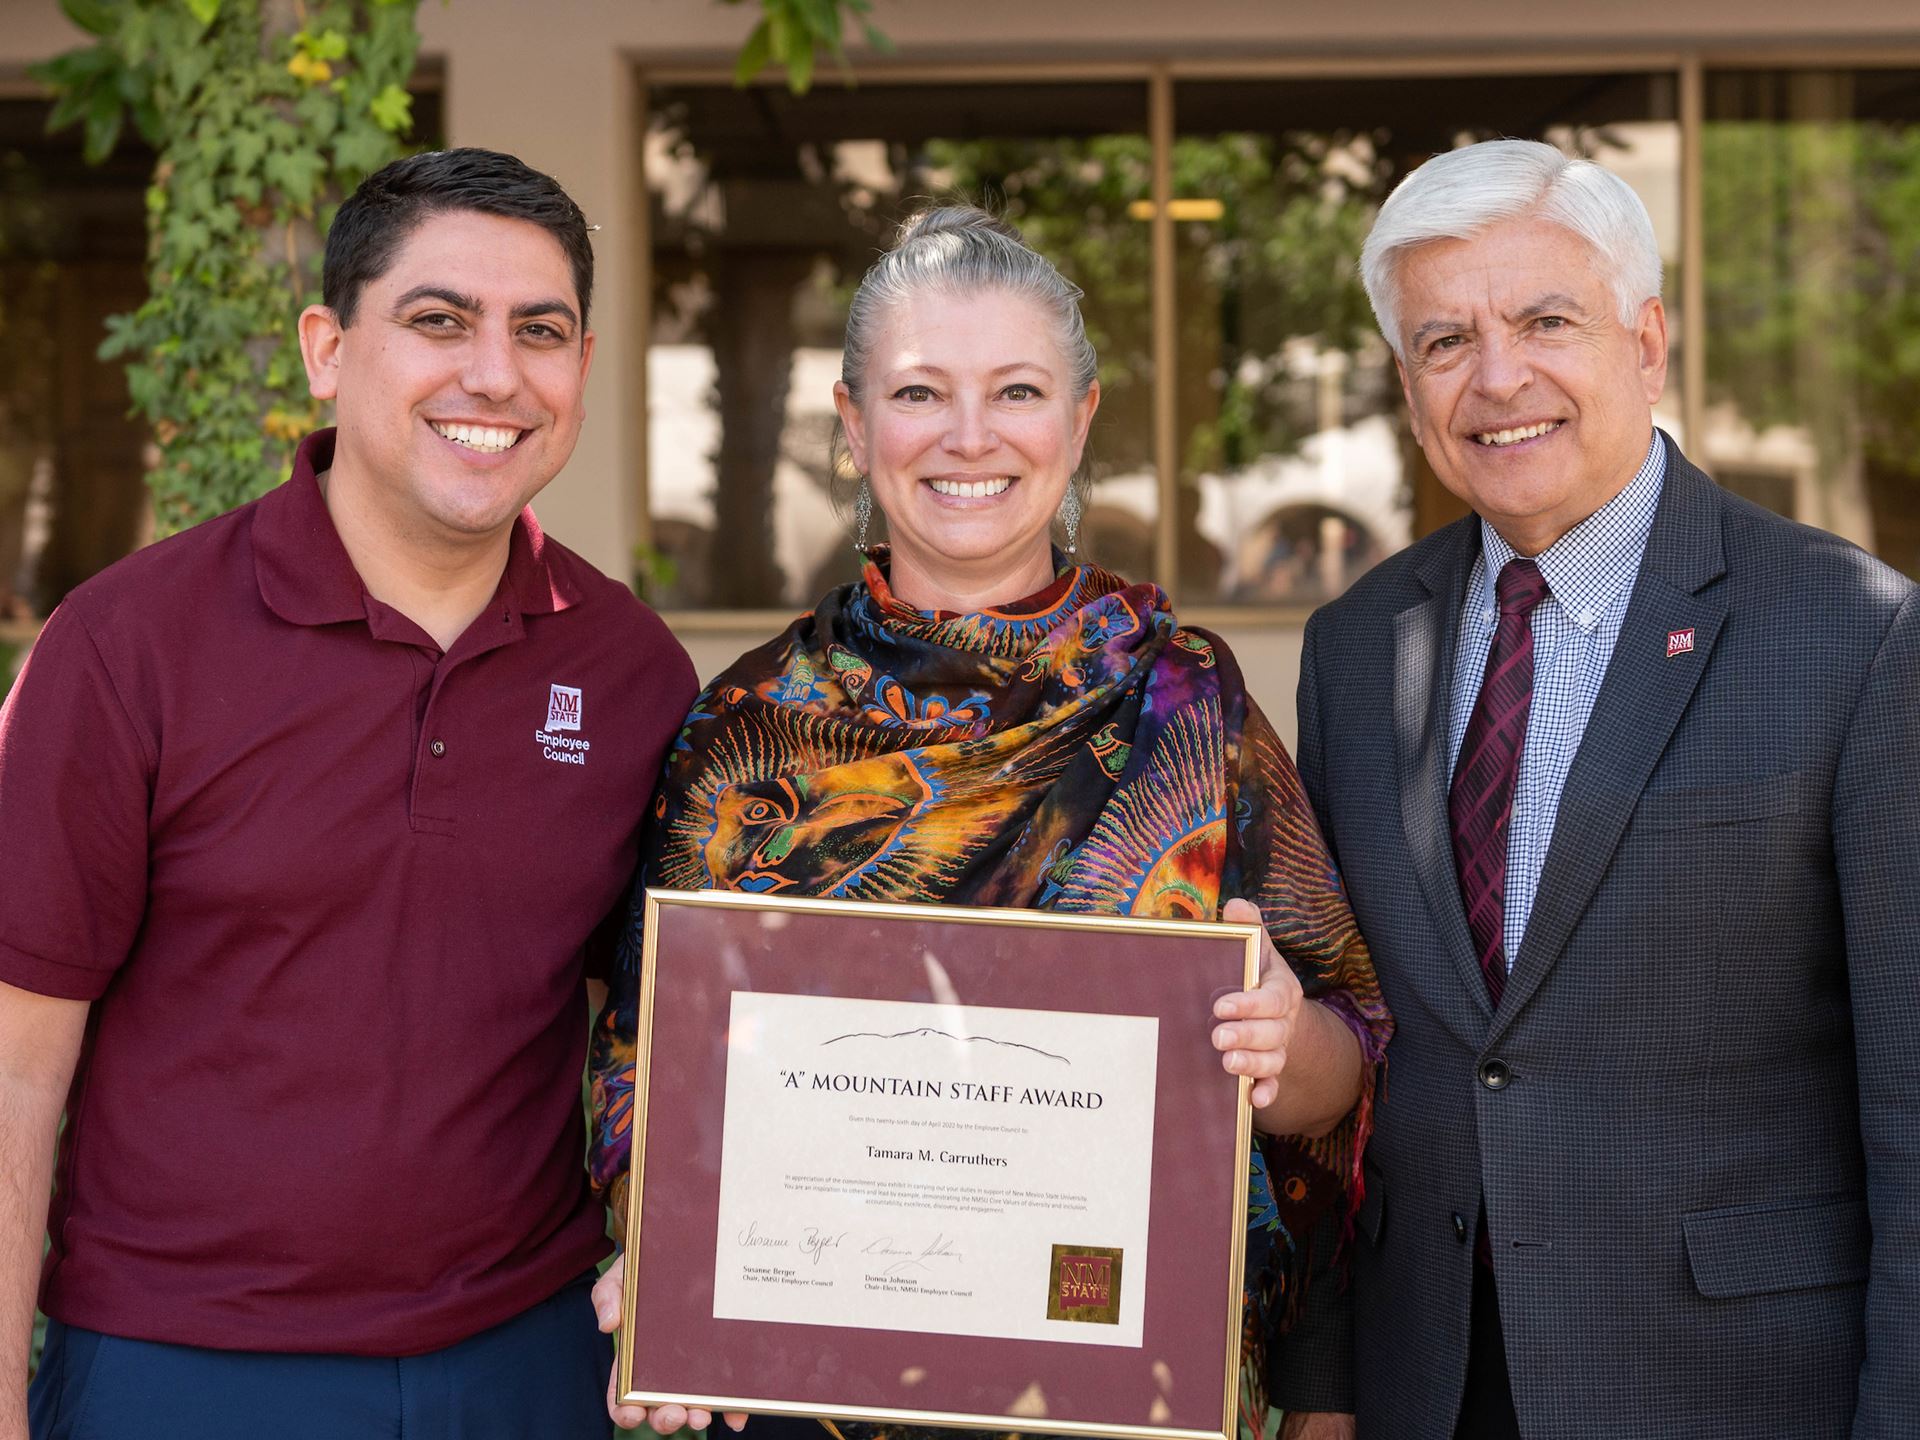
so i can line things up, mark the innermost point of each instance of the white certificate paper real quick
(946, 1169)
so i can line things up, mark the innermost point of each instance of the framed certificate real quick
(933, 1165)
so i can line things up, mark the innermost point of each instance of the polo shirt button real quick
(1459, 1227)
(439, 748)
(1494, 1074)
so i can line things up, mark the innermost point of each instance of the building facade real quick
(1204, 171)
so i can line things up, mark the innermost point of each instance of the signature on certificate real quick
(812, 1241)
(906, 1256)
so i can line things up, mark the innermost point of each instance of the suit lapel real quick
(1640, 703)
(1424, 638)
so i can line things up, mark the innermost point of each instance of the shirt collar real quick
(1588, 568)
(306, 577)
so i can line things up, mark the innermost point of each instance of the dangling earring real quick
(1070, 519)
(862, 514)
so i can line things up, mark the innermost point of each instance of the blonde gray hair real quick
(959, 250)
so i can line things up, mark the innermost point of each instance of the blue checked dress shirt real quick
(1589, 573)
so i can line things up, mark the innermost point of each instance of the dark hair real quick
(393, 202)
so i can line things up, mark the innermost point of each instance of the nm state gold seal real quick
(1084, 1284)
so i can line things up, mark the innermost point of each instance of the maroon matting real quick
(1175, 1380)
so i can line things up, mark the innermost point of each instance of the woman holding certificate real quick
(982, 720)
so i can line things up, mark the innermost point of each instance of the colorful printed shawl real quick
(1077, 751)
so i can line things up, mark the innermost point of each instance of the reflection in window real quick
(72, 247)
(1297, 473)
(1811, 192)
(766, 212)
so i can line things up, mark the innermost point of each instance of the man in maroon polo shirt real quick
(310, 819)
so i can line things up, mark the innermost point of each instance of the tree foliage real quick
(793, 34)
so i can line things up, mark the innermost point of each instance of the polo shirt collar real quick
(306, 577)
(1589, 567)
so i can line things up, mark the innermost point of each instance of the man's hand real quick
(1317, 1427)
(664, 1418)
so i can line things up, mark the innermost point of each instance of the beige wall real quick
(33, 30)
(1014, 30)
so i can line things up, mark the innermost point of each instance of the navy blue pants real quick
(540, 1376)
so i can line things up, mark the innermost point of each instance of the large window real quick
(1251, 449)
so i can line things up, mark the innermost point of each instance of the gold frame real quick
(657, 900)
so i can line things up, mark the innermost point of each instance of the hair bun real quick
(945, 219)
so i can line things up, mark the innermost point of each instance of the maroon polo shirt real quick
(333, 894)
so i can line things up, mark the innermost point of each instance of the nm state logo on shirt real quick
(563, 714)
(563, 708)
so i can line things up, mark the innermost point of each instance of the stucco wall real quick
(34, 30)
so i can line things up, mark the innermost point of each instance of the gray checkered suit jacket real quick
(1695, 1118)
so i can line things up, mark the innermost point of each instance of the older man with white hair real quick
(1623, 776)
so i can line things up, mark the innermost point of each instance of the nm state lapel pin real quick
(1679, 642)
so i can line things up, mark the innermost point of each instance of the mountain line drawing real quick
(942, 1034)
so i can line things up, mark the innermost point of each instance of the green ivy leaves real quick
(257, 132)
(392, 110)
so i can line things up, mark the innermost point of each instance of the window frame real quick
(1159, 76)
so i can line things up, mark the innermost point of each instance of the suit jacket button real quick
(1459, 1227)
(1494, 1074)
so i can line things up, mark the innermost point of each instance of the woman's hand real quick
(1303, 1059)
(1261, 1021)
(664, 1418)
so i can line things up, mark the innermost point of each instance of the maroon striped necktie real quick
(1480, 806)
